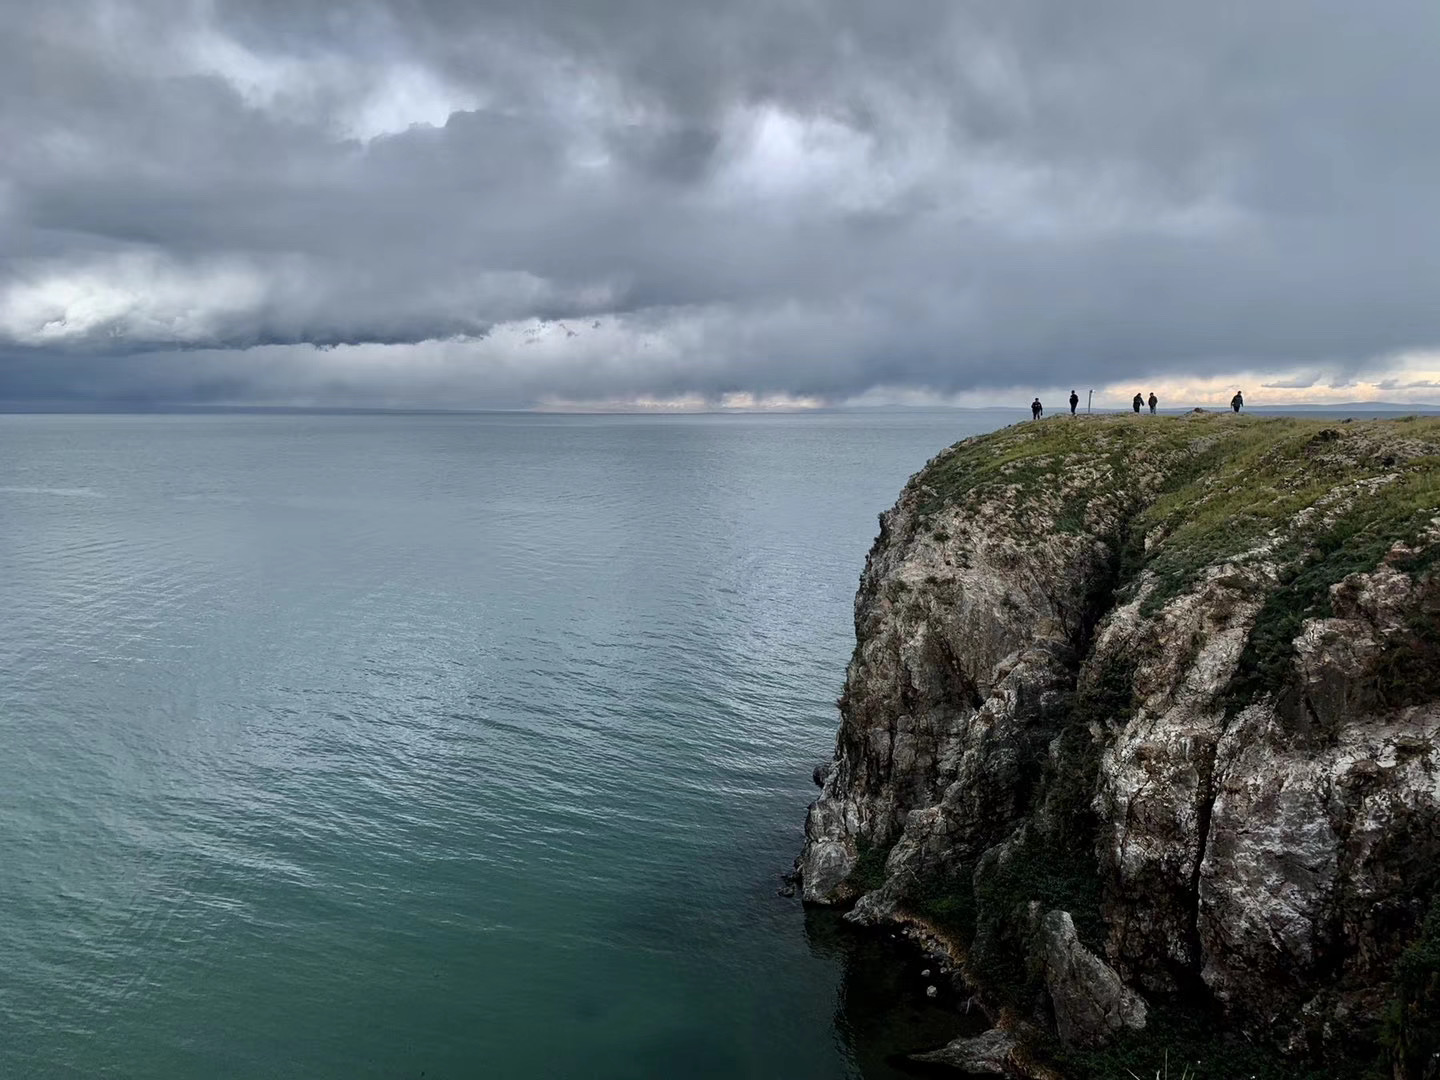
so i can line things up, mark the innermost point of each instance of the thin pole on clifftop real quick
(1089, 397)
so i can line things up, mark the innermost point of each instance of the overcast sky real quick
(501, 203)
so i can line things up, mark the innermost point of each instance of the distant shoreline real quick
(50, 408)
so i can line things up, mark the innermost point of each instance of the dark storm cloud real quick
(782, 197)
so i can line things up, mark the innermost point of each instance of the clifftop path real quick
(1144, 713)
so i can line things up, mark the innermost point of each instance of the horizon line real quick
(52, 408)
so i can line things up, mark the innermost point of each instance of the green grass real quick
(1030, 459)
(1211, 485)
(1314, 560)
(1265, 480)
(1411, 1032)
(869, 872)
(1410, 669)
(948, 902)
(1207, 491)
(1191, 1041)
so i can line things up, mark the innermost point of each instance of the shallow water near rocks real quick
(443, 746)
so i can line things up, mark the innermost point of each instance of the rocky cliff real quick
(1144, 720)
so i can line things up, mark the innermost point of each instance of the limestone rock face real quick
(965, 640)
(1090, 1002)
(982, 1055)
(1176, 683)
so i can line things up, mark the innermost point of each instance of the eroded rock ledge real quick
(1147, 712)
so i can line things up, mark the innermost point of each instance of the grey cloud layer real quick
(779, 197)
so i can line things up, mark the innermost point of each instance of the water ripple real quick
(367, 747)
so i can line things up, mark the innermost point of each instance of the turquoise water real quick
(442, 746)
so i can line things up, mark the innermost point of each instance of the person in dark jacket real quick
(1074, 400)
(1237, 401)
(1136, 402)
(1036, 409)
(1153, 402)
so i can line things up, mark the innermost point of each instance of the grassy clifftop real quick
(1206, 481)
(1319, 498)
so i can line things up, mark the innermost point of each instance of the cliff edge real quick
(1144, 715)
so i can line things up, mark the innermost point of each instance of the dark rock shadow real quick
(883, 1013)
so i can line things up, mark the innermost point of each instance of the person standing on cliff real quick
(1153, 402)
(1237, 401)
(1036, 409)
(1136, 402)
(1074, 400)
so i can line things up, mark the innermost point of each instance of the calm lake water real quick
(441, 746)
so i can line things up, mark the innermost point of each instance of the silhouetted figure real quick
(1153, 402)
(1036, 409)
(1074, 400)
(1136, 402)
(1237, 401)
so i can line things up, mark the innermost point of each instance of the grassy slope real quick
(1212, 483)
(1205, 490)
